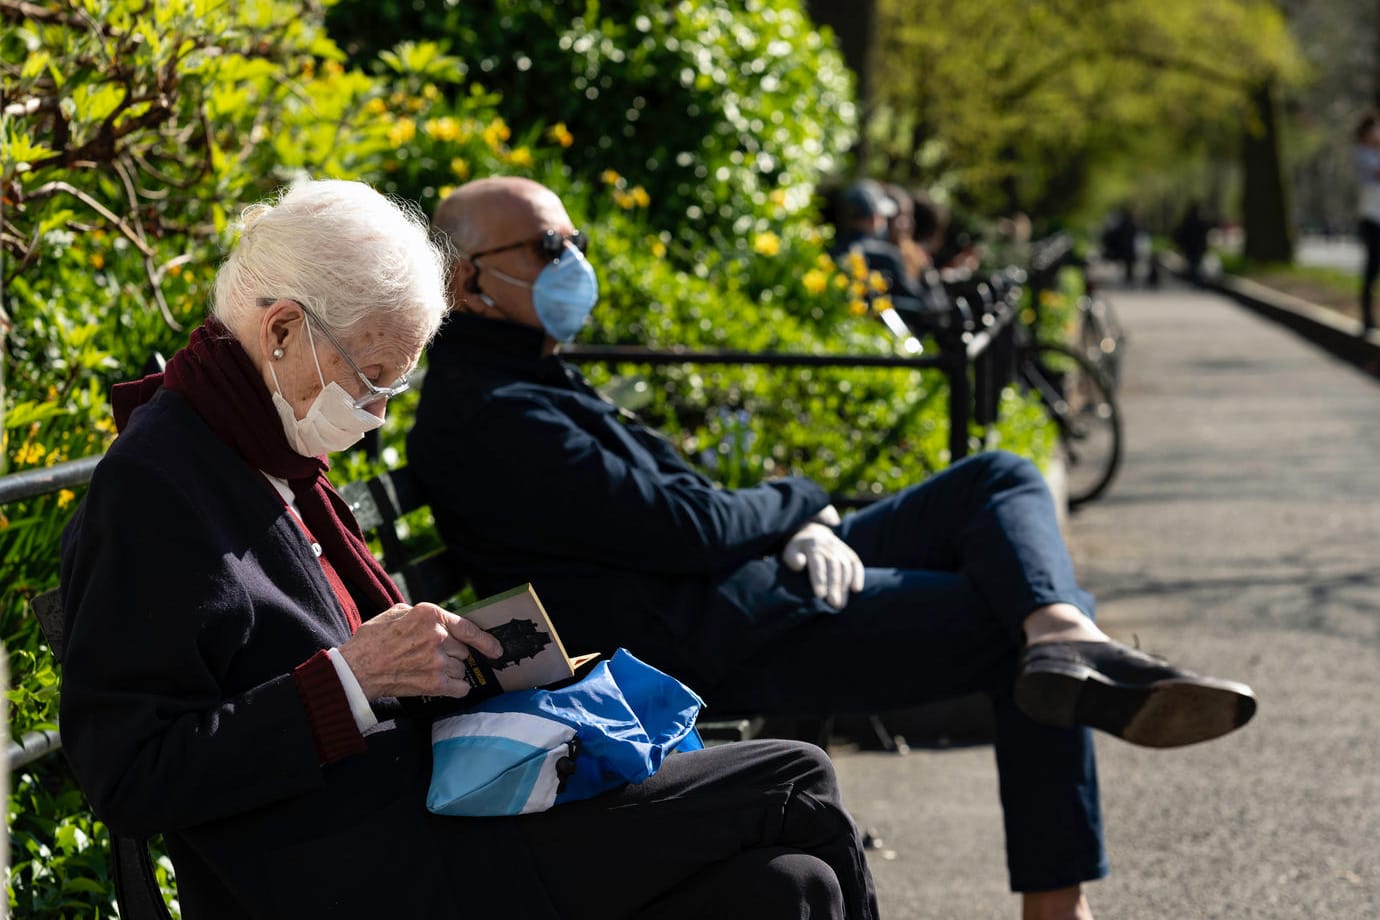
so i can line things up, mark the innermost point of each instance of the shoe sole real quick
(1165, 714)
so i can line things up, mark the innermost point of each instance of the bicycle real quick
(1073, 388)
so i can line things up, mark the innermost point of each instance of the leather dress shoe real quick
(1127, 693)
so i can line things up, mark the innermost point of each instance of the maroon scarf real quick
(217, 378)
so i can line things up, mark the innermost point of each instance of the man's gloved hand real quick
(835, 569)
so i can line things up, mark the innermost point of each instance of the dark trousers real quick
(1369, 232)
(751, 829)
(954, 565)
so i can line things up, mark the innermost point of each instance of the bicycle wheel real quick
(1080, 403)
(1101, 338)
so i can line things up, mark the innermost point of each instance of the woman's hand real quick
(415, 651)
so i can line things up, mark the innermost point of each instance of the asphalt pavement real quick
(1240, 539)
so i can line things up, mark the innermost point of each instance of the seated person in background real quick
(863, 210)
(236, 656)
(900, 232)
(761, 598)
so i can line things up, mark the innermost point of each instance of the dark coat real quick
(192, 596)
(532, 476)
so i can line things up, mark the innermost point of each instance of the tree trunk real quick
(855, 24)
(1265, 205)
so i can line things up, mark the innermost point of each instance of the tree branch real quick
(48, 190)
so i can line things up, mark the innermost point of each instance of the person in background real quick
(763, 598)
(1191, 237)
(238, 666)
(1366, 158)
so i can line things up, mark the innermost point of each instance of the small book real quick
(533, 655)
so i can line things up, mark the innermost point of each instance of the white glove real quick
(835, 569)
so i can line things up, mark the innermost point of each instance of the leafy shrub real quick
(727, 113)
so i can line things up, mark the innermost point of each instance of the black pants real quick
(751, 829)
(1369, 231)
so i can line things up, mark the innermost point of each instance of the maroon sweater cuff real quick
(332, 724)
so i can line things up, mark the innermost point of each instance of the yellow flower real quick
(431, 92)
(610, 177)
(857, 289)
(333, 68)
(778, 197)
(495, 133)
(659, 249)
(461, 167)
(882, 303)
(30, 453)
(877, 282)
(857, 265)
(309, 69)
(105, 424)
(560, 134)
(65, 497)
(766, 244)
(520, 157)
(640, 197)
(402, 132)
(824, 261)
(4, 521)
(841, 281)
(815, 281)
(857, 307)
(444, 191)
(443, 129)
(623, 199)
(375, 106)
(97, 260)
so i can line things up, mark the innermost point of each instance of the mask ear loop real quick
(311, 342)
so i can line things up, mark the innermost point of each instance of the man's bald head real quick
(495, 211)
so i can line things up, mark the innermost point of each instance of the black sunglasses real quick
(549, 245)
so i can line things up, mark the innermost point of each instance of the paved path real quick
(1241, 537)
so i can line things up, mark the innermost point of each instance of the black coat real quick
(532, 476)
(192, 596)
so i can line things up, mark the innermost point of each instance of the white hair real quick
(341, 249)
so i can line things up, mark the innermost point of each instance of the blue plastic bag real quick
(525, 751)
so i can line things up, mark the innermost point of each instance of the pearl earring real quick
(277, 353)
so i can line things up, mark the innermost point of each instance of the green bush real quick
(133, 133)
(725, 112)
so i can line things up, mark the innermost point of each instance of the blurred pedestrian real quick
(1366, 156)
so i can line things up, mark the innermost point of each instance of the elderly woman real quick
(236, 657)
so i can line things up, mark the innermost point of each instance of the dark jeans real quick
(751, 829)
(1369, 232)
(955, 565)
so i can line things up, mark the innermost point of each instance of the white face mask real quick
(332, 422)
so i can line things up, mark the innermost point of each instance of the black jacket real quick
(532, 476)
(192, 596)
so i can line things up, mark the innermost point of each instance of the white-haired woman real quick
(236, 656)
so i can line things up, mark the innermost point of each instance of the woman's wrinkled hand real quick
(415, 651)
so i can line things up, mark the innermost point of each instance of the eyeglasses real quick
(375, 392)
(549, 245)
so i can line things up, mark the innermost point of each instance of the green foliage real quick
(725, 112)
(1030, 105)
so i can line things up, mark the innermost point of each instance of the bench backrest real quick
(378, 503)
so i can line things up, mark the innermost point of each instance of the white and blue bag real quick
(527, 750)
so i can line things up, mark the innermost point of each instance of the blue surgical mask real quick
(563, 295)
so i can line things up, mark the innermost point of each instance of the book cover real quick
(533, 655)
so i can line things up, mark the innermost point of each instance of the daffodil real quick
(766, 244)
(560, 134)
(815, 281)
(640, 197)
(443, 129)
(877, 282)
(65, 497)
(496, 132)
(857, 265)
(857, 307)
(520, 157)
(610, 177)
(402, 132)
(461, 168)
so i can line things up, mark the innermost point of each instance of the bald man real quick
(762, 598)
